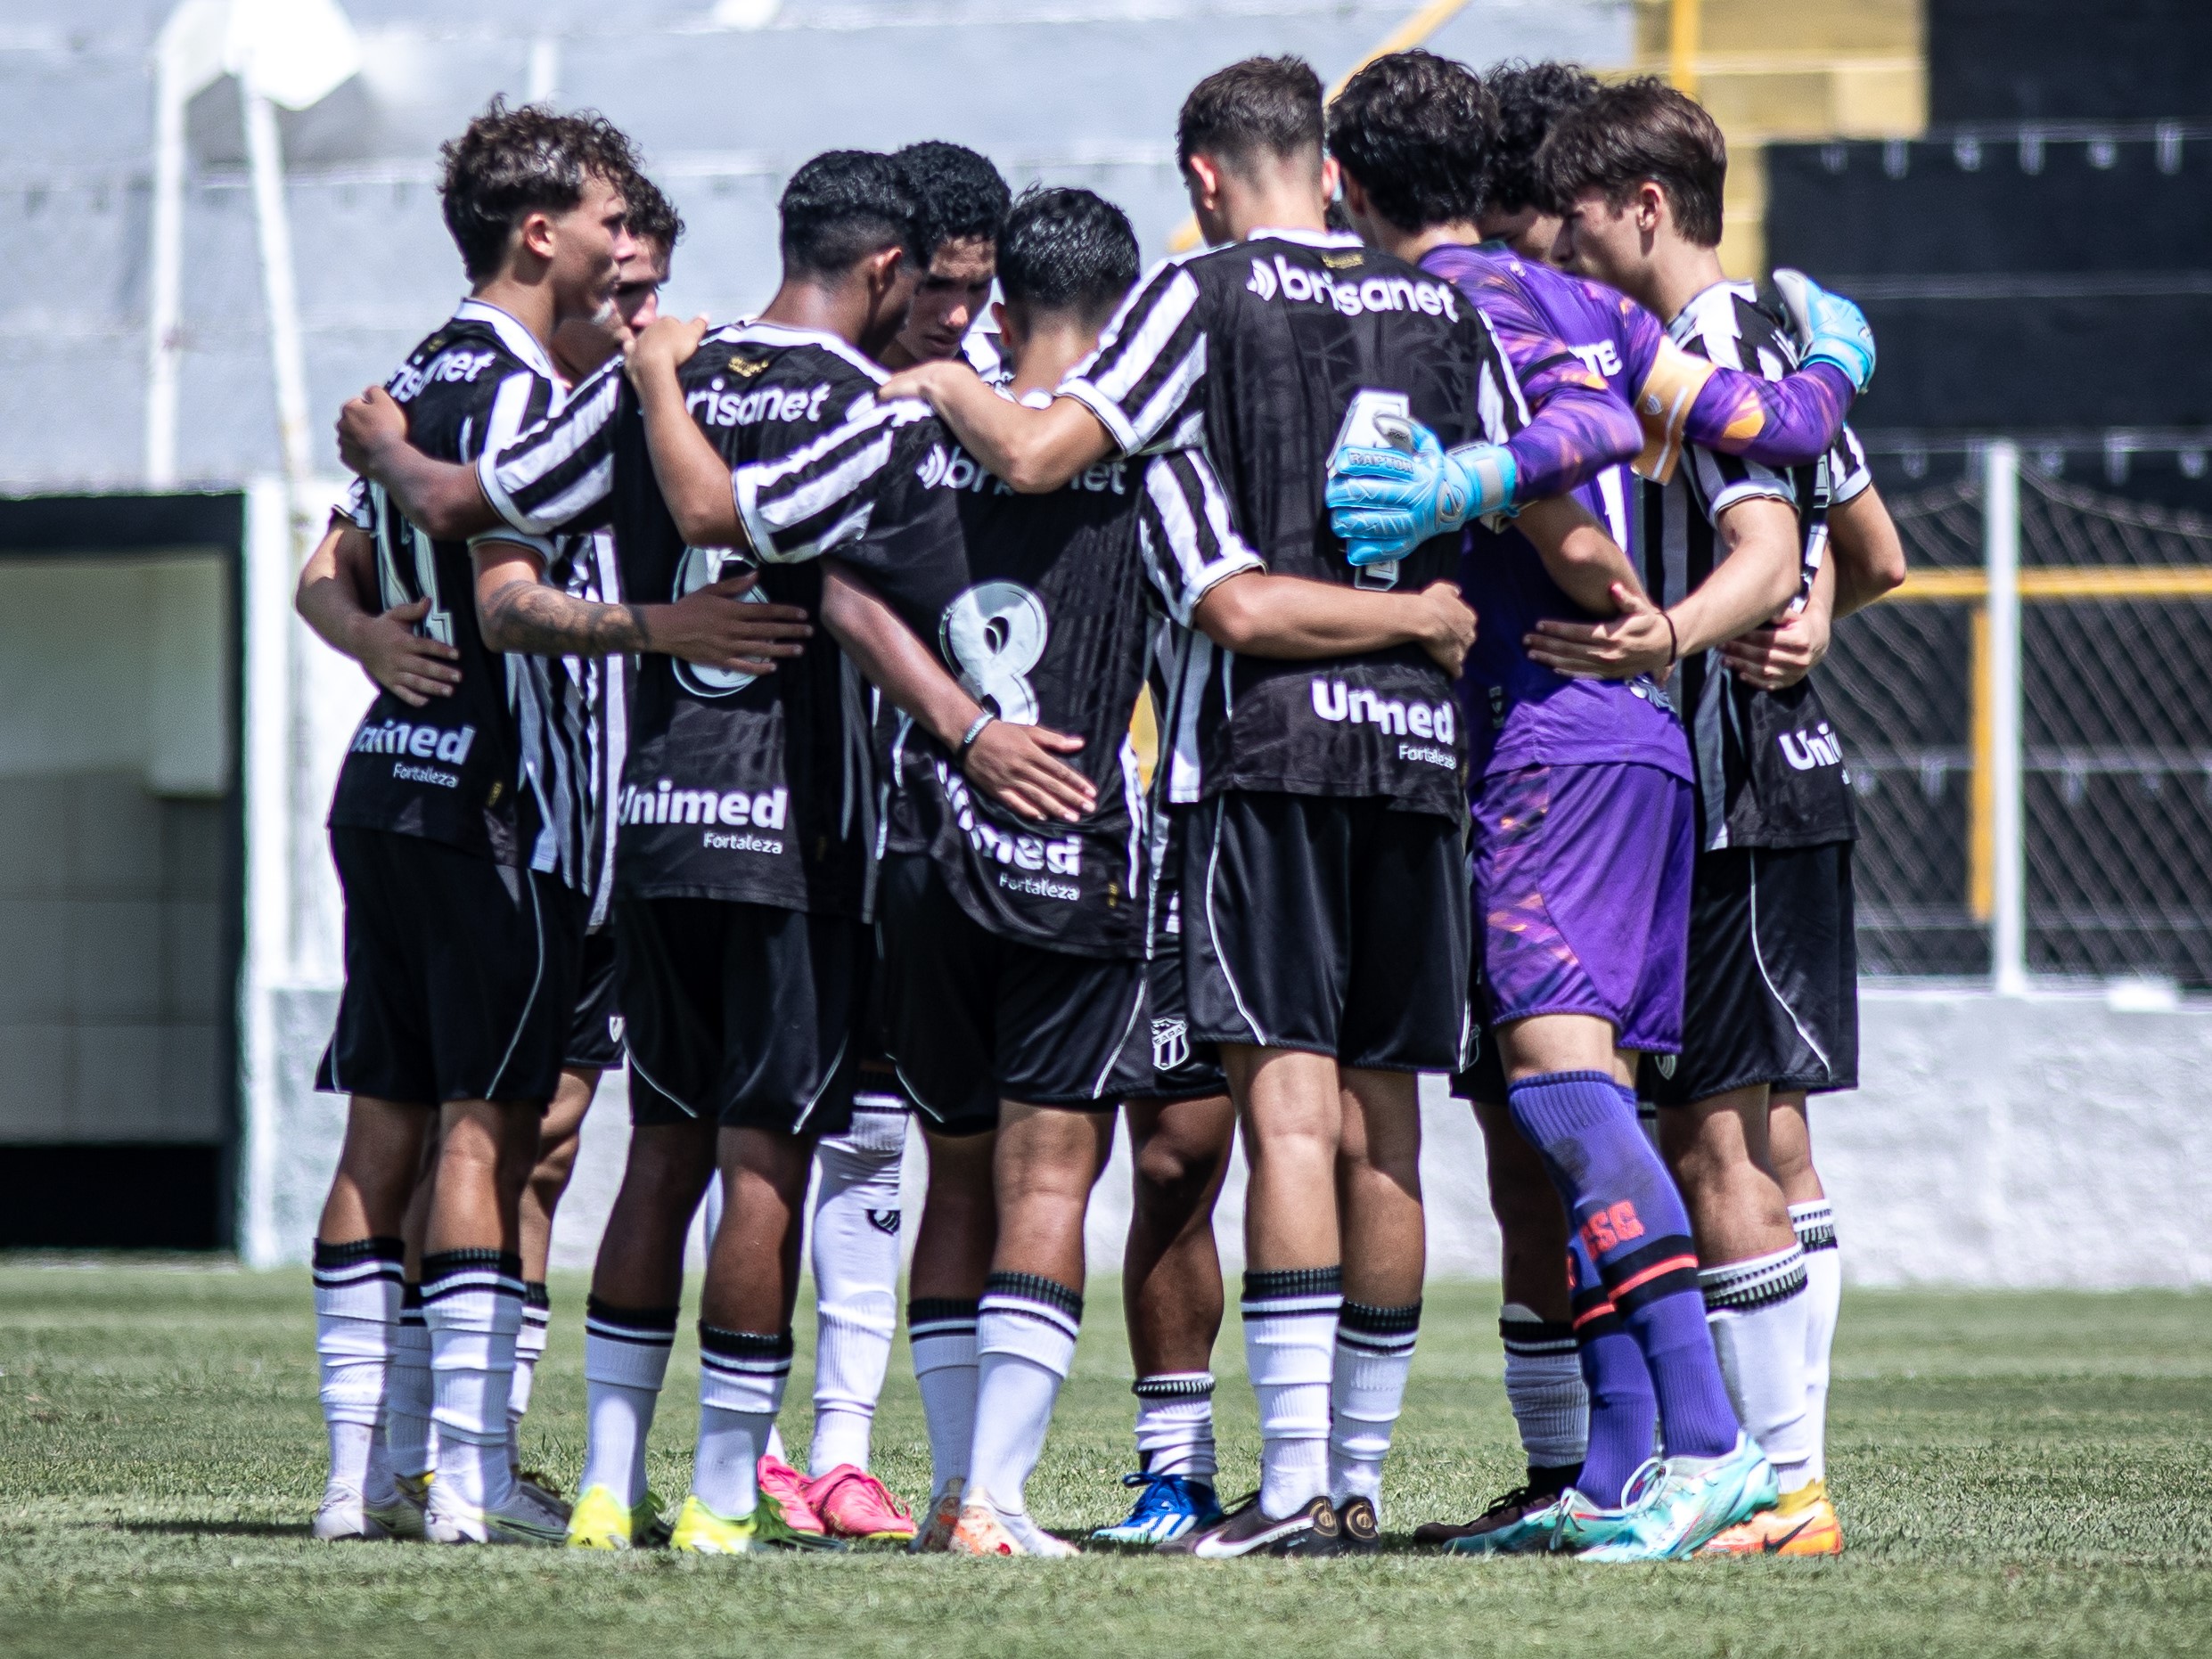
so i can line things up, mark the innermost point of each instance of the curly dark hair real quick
(1530, 99)
(508, 163)
(1414, 129)
(651, 217)
(958, 195)
(843, 206)
(1067, 249)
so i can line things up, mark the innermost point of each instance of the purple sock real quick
(1623, 1408)
(1632, 1221)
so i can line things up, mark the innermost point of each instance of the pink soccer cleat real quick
(779, 1481)
(853, 1504)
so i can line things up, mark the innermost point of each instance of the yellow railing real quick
(2044, 583)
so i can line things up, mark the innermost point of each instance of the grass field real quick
(2017, 1474)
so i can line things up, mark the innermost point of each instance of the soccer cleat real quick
(1359, 1531)
(1247, 1529)
(1166, 1507)
(342, 1516)
(543, 1488)
(1693, 1499)
(936, 1536)
(852, 1503)
(1579, 1524)
(1519, 1523)
(603, 1521)
(521, 1519)
(700, 1531)
(1803, 1524)
(779, 1481)
(984, 1529)
(400, 1515)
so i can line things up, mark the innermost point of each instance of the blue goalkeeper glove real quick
(1830, 328)
(1385, 503)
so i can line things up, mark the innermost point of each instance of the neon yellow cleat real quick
(699, 1531)
(603, 1521)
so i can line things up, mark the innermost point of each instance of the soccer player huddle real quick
(759, 708)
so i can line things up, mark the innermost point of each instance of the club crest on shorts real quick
(1171, 1044)
(883, 1220)
(615, 1024)
(1666, 1064)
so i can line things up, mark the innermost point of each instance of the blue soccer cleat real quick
(1694, 1499)
(1168, 1506)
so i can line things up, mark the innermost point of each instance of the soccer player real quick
(1015, 986)
(1418, 139)
(1328, 791)
(1637, 174)
(447, 828)
(853, 1234)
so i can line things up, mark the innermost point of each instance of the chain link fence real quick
(2115, 699)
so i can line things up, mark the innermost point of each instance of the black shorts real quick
(1481, 1075)
(595, 1027)
(1337, 926)
(744, 1015)
(1182, 1069)
(1773, 988)
(973, 1019)
(460, 974)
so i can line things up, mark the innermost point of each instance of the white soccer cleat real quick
(342, 1516)
(518, 1519)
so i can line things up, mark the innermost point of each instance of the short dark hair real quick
(1531, 100)
(1414, 129)
(1262, 106)
(843, 206)
(1067, 249)
(958, 195)
(651, 217)
(510, 163)
(1641, 131)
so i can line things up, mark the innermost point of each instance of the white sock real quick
(1026, 1329)
(1375, 1353)
(1823, 1301)
(1543, 1386)
(1756, 1311)
(530, 1347)
(472, 1301)
(409, 1440)
(357, 1323)
(941, 1330)
(741, 1375)
(1174, 1424)
(1290, 1345)
(626, 1359)
(855, 1266)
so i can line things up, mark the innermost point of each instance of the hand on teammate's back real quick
(367, 426)
(668, 343)
(1454, 633)
(717, 627)
(1776, 658)
(413, 667)
(1018, 768)
(1638, 641)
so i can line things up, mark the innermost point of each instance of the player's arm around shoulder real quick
(443, 497)
(694, 479)
(1034, 451)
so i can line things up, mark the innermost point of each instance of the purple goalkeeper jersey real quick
(1560, 332)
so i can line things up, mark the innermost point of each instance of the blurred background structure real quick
(220, 218)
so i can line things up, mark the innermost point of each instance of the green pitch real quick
(2017, 1474)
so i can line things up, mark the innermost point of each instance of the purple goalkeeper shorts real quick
(1582, 896)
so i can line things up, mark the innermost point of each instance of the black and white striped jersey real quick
(472, 770)
(1770, 768)
(757, 790)
(1054, 630)
(1266, 356)
(588, 696)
